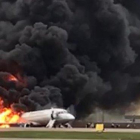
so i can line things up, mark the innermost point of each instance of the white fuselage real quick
(44, 116)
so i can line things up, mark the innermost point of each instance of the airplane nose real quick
(67, 116)
(71, 117)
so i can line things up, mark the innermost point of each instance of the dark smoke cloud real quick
(83, 53)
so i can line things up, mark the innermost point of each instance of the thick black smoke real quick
(70, 52)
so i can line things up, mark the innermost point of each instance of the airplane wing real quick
(24, 122)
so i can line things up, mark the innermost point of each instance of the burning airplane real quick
(58, 53)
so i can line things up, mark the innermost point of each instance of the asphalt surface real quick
(68, 129)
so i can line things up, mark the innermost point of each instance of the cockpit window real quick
(61, 112)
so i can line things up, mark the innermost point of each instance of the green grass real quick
(70, 135)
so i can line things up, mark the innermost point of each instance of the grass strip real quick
(70, 135)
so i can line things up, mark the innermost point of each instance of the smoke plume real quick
(83, 53)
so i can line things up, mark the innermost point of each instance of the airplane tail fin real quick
(71, 109)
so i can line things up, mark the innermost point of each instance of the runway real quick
(69, 129)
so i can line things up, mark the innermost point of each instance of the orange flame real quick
(7, 116)
(20, 81)
(12, 78)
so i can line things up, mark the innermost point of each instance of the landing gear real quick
(28, 125)
(66, 125)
